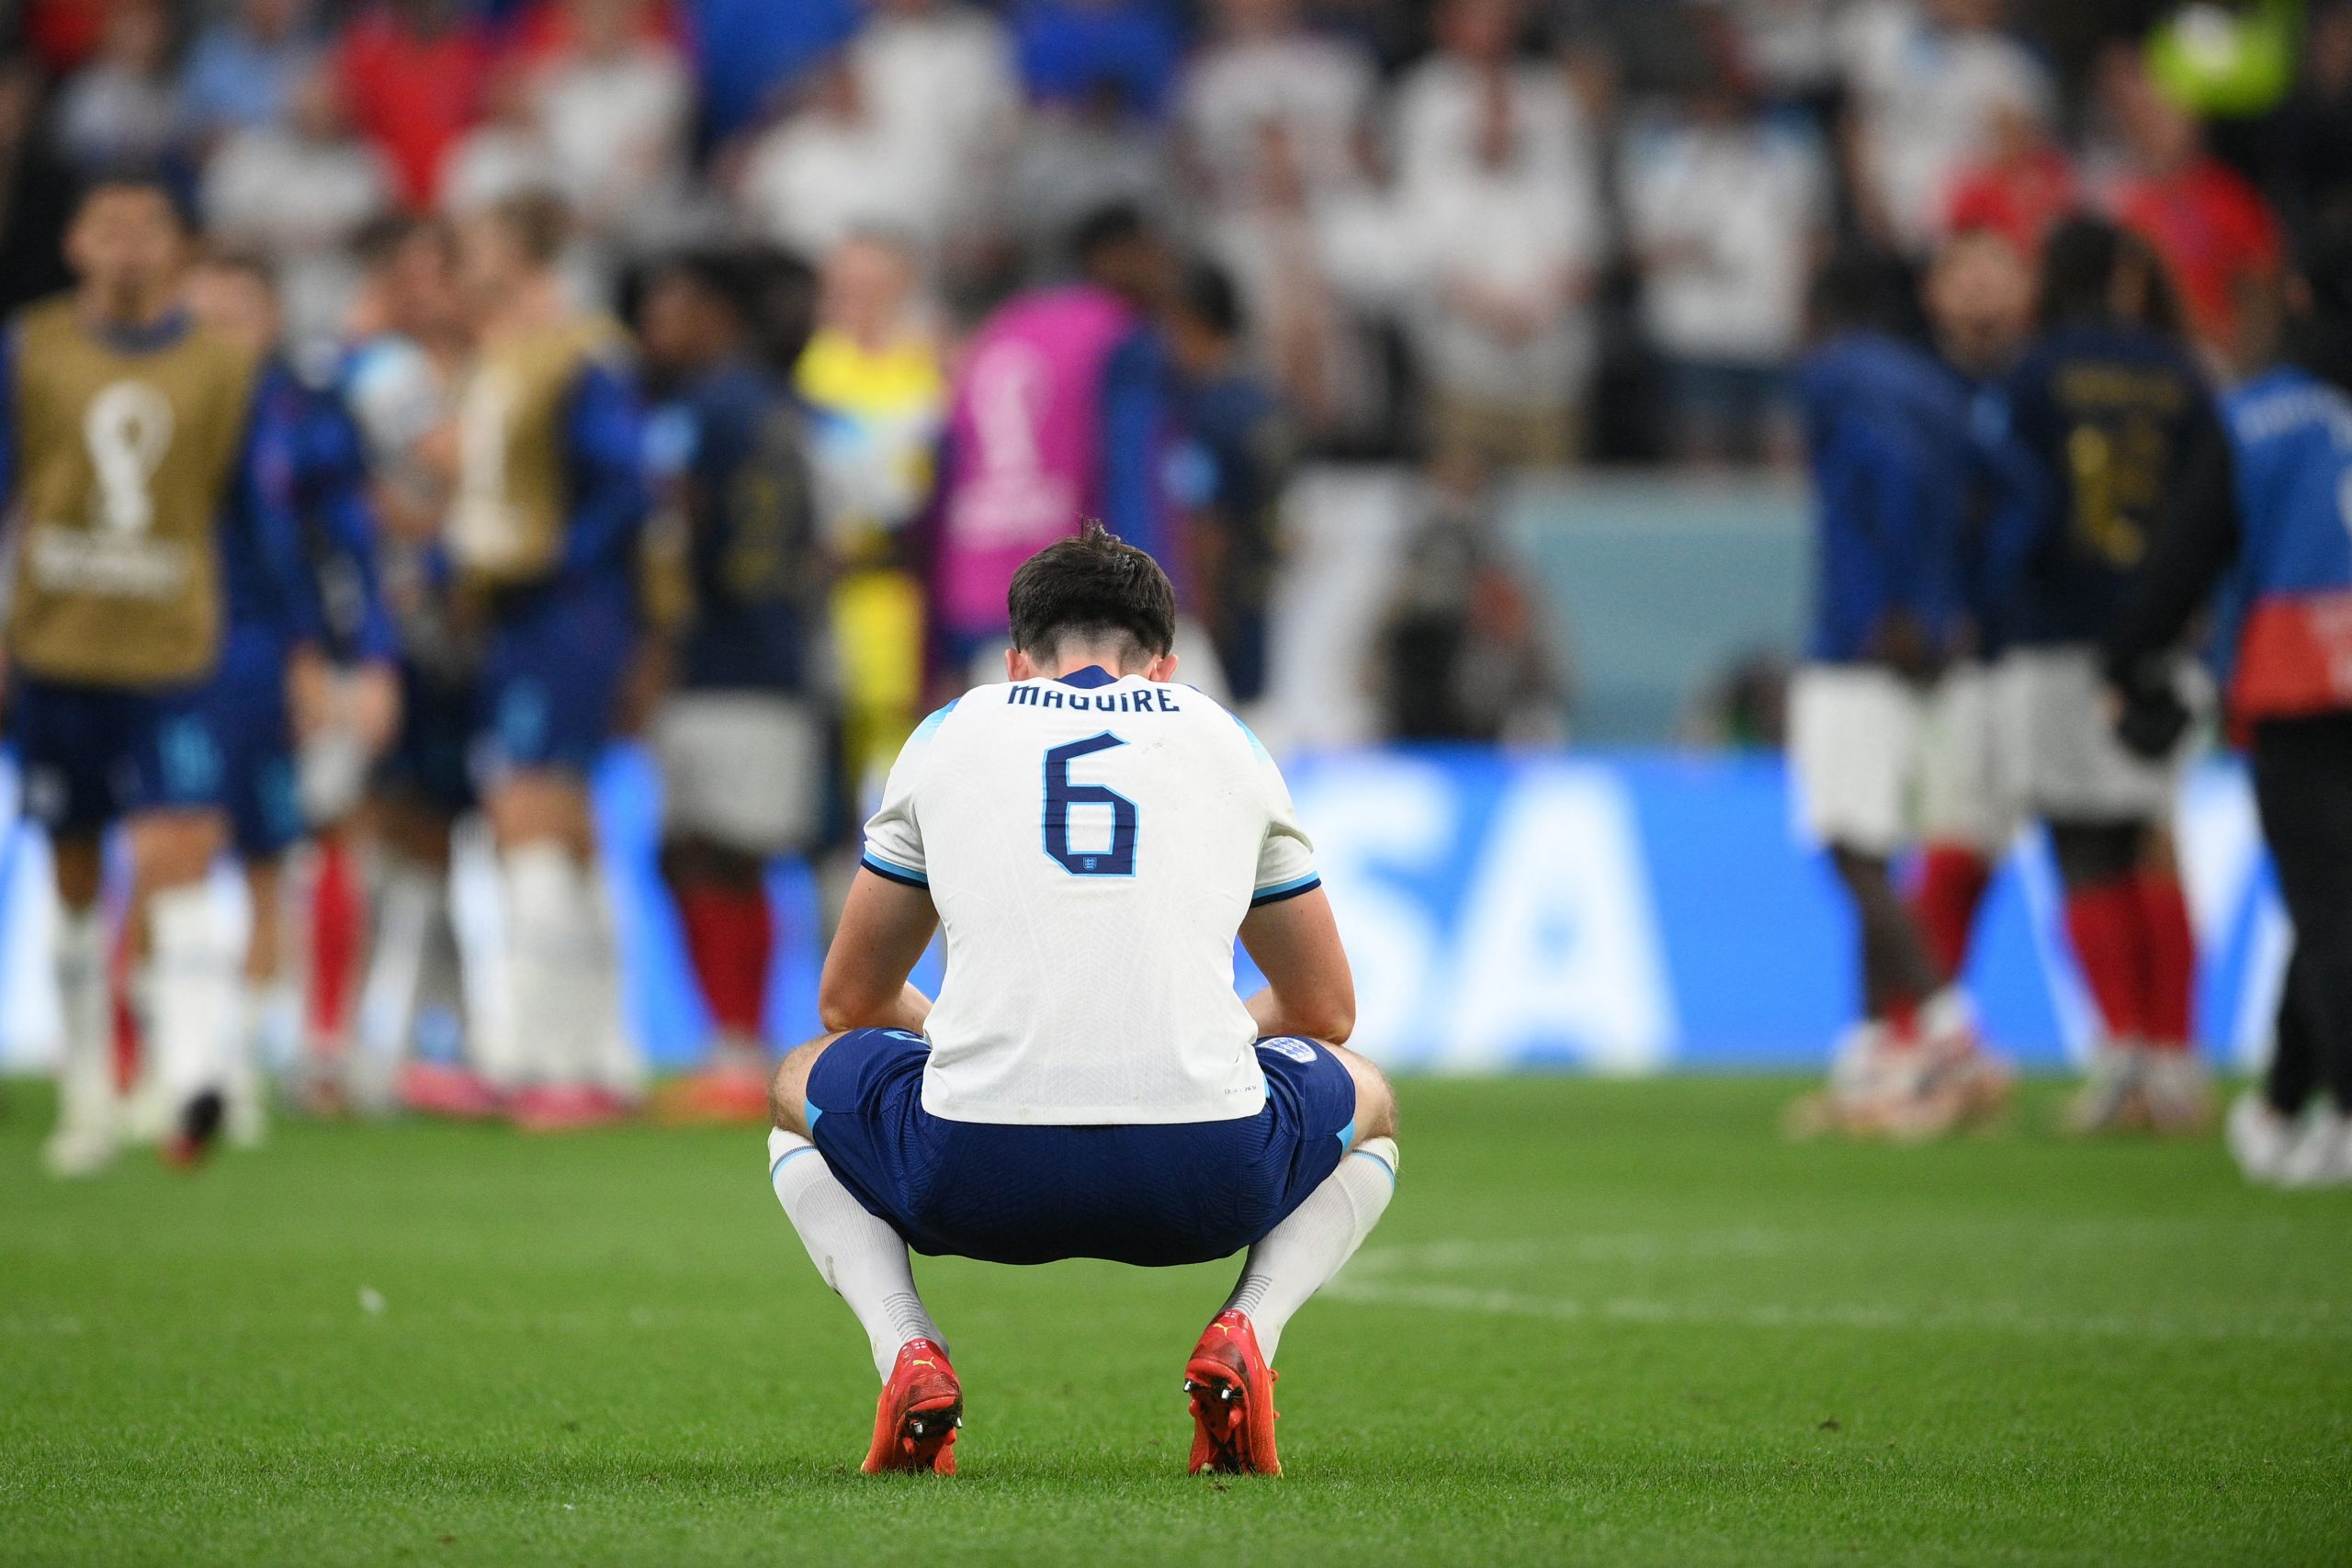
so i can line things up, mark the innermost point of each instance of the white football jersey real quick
(1091, 845)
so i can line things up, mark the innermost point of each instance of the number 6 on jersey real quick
(1061, 795)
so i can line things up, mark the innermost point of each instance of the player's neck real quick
(1083, 660)
(127, 310)
(536, 303)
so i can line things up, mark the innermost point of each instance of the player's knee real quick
(788, 1089)
(539, 804)
(172, 848)
(1375, 1097)
(80, 864)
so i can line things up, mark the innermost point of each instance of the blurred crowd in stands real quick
(1529, 231)
(1481, 234)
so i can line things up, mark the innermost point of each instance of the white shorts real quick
(1967, 791)
(2059, 735)
(1854, 739)
(746, 769)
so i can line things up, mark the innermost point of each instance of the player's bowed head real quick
(1092, 600)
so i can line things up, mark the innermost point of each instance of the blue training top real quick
(1886, 437)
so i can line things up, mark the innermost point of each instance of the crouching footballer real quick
(1091, 838)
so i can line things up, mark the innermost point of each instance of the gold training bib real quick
(126, 459)
(508, 521)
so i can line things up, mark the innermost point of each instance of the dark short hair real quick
(727, 279)
(1212, 300)
(1857, 289)
(385, 236)
(111, 178)
(1093, 588)
(1107, 228)
(2080, 262)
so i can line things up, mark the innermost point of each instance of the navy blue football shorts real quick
(1187, 1192)
(251, 723)
(551, 682)
(92, 755)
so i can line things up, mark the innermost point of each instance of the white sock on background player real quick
(616, 1064)
(862, 1258)
(408, 899)
(1299, 1257)
(550, 938)
(195, 988)
(262, 1047)
(90, 1111)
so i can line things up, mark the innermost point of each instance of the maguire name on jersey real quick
(1092, 844)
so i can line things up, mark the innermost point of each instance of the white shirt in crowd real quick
(615, 130)
(944, 93)
(1439, 107)
(818, 178)
(300, 201)
(1727, 214)
(1318, 90)
(1516, 228)
(1093, 846)
(1926, 96)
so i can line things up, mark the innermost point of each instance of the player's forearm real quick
(1331, 1022)
(912, 1009)
(906, 1010)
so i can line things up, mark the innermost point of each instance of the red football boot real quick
(1233, 1401)
(921, 1409)
(566, 1108)
(438, 1089)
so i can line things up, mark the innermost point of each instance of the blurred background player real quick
(1059, 414)
(2276, 544)
(2089, 436)
(1234, 466)
(276, 690)
(876, 391)
(409, 344)
(1886, 428)
(129, 464)
(1979, 297)
(543, 536)
(741, 738)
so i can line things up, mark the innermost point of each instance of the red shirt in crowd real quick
(414, 93)
(2214, 231)
(2021, 199)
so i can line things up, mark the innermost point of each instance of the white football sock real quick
(1299, 1257)
(615, 1062)
(549, 942)
(87, 1104)
(862, 1258)
(480, 932)
(264, 1047)
(407, 902)
(195, 978)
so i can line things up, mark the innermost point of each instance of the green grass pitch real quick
(1614, 1322)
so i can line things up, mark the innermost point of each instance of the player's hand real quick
(1902, 643)
(2149, 715)
(649, 677)
(372, 706)
(310, 691)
